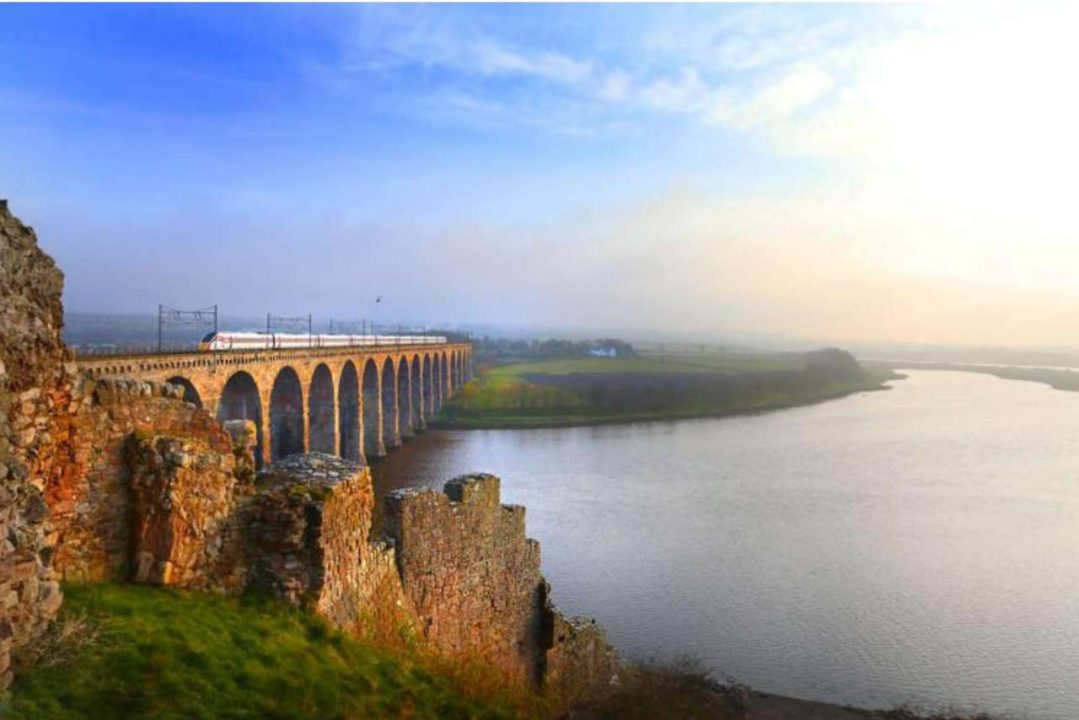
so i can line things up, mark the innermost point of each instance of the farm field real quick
(586, 391)
(656, 363)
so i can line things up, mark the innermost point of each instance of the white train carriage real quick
(225, 341)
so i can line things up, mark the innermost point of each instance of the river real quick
(918, 545)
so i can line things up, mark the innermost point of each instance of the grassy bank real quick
(137, 652)
(591, 391)
(122, 651)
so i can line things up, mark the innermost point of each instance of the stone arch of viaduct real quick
(354, 402)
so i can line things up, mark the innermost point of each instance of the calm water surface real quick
(918, 545)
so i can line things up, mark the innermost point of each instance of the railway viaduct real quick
(354, 402)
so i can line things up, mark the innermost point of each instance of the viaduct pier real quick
(354, 402)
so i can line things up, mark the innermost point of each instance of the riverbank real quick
(1056, 378)
(604, 391)
(684, 690)
(495, 421)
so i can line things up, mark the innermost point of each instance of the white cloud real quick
(753, 68)
(484, 112)
(774, 102)
(685, 93)
(616, 86)
(489, 58)
(957, 131)
(390, 39)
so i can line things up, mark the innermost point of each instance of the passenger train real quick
(219, 341)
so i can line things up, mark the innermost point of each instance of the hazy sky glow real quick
(827, 172)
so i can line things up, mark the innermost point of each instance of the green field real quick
(682, 363)
(124, 651)
(516, 394)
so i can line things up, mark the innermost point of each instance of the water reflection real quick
(912, 545)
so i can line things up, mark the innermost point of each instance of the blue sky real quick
(712, 169)
(385, 109)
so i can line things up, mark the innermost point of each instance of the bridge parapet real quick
(133, 364)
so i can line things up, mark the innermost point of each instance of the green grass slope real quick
(122, 651)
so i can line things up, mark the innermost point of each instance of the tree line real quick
(504, 349)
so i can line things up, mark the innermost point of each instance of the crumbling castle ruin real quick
(110, 479)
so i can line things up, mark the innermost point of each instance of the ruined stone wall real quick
(471, 574)
(91, 501)
(31, 313)
(457, 571)
(33, 385)
(578, 663)
(474, 581)
(112, 479)
(308, 534)
(184, 497)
